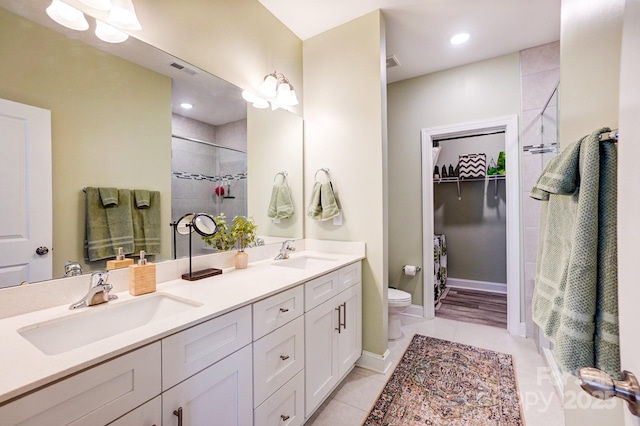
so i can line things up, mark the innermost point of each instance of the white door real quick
(629, 196)
(350, 336)
(321, 361)
(219, 395)
(25, 193)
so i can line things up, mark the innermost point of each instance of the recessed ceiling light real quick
(459, 38)
(186, 105)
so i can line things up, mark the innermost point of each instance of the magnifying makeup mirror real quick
(204, 225)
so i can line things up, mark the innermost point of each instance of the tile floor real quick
(350, 403)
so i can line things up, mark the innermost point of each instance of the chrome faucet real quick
(98, 292)
(285, 249)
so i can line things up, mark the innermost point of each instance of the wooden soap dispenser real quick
(142, 277)
(119, 262)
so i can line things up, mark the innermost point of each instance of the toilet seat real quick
(398, 297)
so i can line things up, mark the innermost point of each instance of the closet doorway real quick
(506, 130)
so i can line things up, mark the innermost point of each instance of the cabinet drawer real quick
(194, 349)
(149, 414)
(277, 357)
(277, 310)
(349, 275)
(320, 290)
(93, 397)
(285, 407)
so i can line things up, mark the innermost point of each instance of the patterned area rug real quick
(445, 383)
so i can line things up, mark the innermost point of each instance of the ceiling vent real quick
(182, 68)
(392, 61)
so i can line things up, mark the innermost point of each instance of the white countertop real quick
(23, 367)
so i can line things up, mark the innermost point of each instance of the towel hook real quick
(325, 170)
(284, 175)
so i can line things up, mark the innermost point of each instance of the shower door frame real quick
(508, 124)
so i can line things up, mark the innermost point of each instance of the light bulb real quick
(106, 32)
(269, 85)
(67, 16)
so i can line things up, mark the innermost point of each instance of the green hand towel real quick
(329, 202)
(109, 196)
(142, 198)
(575, 296)
(146, 224)
(281, 205)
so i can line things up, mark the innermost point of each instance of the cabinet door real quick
(222, 394)
(321, 342)
(350, 336)
(149, 414)
(92, 397)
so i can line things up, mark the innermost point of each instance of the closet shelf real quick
(457, 180)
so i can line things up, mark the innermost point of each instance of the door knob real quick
(600, 385)
(42, 250)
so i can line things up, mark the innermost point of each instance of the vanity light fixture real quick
(255, 100)
(122, 15)
(106, 32)
(276, 85)
(459, 38)
(67, 16)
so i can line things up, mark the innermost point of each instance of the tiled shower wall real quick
(199, 196)
(540, 72)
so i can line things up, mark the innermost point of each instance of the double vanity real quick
(262, 346)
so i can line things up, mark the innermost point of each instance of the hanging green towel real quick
(109, 196)
(575, 300)
(324, 203)
(146, 222)
(281, 205)
(107, 228)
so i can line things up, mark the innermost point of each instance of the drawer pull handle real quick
(178, 413)
(283, 310)
(339, 328)
(284, 418)
(284, 357)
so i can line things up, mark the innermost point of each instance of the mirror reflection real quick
(116, 121)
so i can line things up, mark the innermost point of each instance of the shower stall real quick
(206, 178)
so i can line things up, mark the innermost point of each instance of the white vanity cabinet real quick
(96, 396)
(333, 326)
(207, 373)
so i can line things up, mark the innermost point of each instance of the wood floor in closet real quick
(475, 306)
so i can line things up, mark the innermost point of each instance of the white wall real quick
(590, 46)
(472, 92)
(344, 90)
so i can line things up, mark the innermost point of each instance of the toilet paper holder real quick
(418, 269)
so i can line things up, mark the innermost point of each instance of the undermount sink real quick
(305, 262)
(100, 322)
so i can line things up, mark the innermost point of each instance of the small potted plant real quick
(243, 231)
(222, 240)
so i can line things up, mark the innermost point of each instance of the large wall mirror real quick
(116, 121)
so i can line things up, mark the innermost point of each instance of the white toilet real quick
(398, 301)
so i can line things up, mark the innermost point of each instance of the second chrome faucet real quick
(285, 249)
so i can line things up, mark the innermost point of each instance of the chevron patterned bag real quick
(472, 166)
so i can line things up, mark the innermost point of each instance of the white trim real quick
(375, 362)
(414, 311)
(477, 285)
(514, 262)
(556, 373)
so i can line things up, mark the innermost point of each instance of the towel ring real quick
(284, 175)
(325, 170)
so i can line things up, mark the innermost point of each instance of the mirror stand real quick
(204, 225)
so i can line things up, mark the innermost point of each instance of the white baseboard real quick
(477, 285)
(375, 362)
(414, 311)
